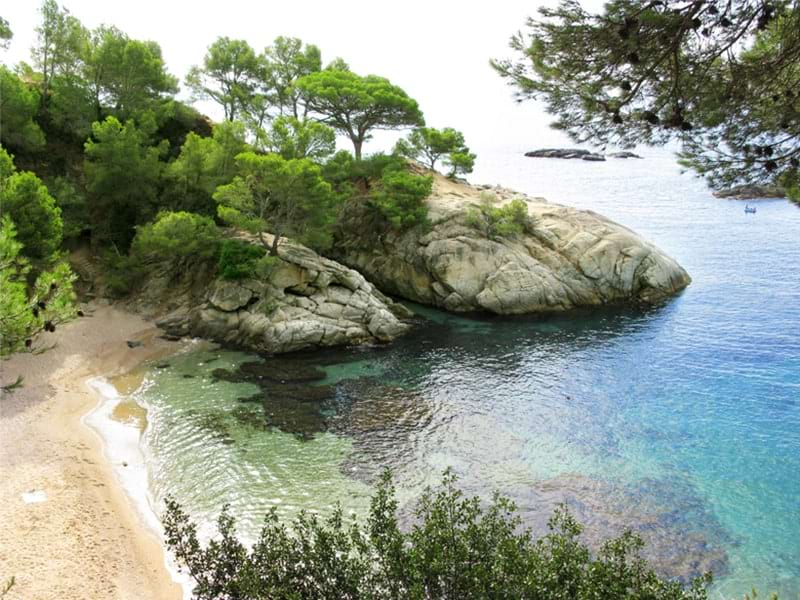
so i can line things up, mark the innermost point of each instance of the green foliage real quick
(286, 61)
(25, 199)
(121, 273)
(504, 221)
(456, 549)
(400, 198)
(228, 75)
(18, 107)
(288, 197)
(239, 260)
(71, 200)
(125, 74)
(355, 105)
(26, 311)
(721, 79)
(429, 145)
(293, 138)
(348, 175)
(176, 235)
(123, 173)
(5, 33)
(59, 43)
(203, 165)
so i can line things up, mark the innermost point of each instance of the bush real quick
(504, 221)
(346, 174)
(456, 550)
(25, 199)
(177, 235)
(239, 260)
(27, 310)
(400, 198)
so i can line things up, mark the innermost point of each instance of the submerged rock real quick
(307, 301)
(565, 258)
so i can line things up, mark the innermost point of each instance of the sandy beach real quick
(86, 540)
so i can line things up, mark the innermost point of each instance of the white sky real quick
(438, 51)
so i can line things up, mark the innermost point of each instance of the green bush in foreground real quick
(457, 550)
(503, 221)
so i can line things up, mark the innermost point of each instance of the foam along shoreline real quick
(122, 445)
(82, 537)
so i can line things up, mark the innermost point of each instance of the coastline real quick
(86, 540)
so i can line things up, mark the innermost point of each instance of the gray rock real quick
(565, 153)
(307, 301)
(565, 258)
(624, 154)
(751, 192)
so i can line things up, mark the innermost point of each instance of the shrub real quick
(503, 221)
(240, 260)
(456, 550)
(400, 198)
(27, 310)
(177, 235)
(25, 199)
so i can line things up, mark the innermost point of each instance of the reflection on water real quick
(681, 421)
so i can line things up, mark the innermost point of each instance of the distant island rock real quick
(565, 257)
(751, 192)
(577, 153)
(566, 153)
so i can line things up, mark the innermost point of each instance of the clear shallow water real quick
(682, 421)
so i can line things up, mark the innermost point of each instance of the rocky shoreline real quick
(561, 260)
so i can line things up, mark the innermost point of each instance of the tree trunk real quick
(273, 251)
(357, 143)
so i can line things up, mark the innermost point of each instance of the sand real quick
(86, 541)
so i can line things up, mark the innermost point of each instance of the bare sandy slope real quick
(86, 540)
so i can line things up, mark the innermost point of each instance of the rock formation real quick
(751, 192)
(308, 301)
(565, 258)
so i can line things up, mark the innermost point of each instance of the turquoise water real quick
(681, 421)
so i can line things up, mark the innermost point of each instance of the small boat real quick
(749, 209)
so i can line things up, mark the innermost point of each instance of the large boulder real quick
(306, 301)
(565, 258)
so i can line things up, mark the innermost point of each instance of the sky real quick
(437, 51)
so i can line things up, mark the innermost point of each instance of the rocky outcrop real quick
(307, 301)
(564, 258)
(624, 154)
(751, 192)
(566, 153)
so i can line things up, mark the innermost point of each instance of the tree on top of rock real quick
(429, 145)
(286, 197)
(354, 105)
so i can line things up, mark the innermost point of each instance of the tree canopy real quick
(123, 172)
(285, 197)
(354, 105)
(295, 138)
(18, 107)
(721, 78)
(227, 76)
(429, 145)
